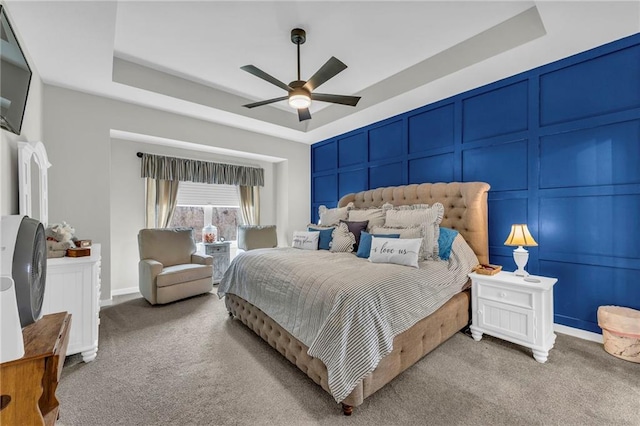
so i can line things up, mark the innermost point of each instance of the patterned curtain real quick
(250, 204)
(176, 169)
(161, 202)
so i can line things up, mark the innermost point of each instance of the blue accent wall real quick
(560, 146)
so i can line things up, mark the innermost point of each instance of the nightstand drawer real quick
(503, 321)
(506, 295)
(211, 249)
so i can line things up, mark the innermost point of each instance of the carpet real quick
(188, 363)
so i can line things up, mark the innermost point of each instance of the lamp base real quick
(521, 257)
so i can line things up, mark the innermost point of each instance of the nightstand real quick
(510, 308)
(220, 252)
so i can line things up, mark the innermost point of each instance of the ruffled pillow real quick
(430, 217)
(333, 216)
(375, 216)
(341, 239)
(356, 228)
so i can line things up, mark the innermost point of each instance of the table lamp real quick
(520, 236)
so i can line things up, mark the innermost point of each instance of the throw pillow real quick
(324, 243)
(333, 216)
(445, 241)
(364, 248)
(375, 217)
(356, 228)
(408, 232)
(398, 251)
(306, 240)
(430, 216)
(342, 240)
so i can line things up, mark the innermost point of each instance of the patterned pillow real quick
(324, 243)
(333, 216)
(398, 251)
(430, 216)
(306, 240)
(374, 216)
(356, 228)
(342, 240)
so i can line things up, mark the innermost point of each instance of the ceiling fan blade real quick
(304, 114)
(329, 70)
(268, 101)
(263, 75)
(336, 99)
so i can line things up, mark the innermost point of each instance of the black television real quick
(15, 78)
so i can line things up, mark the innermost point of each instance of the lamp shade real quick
(520, 236)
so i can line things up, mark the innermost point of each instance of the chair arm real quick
(148, 270)
(202, 259)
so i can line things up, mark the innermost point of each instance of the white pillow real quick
(394, 250)
(306, 240)
(375, 216)
(405, 233)
(429, 216)
(341, 239)
(330, 217)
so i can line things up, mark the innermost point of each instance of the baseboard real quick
(576, 332)
(121, 291)
(106, 302)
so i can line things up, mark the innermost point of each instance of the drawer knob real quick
(503, 294)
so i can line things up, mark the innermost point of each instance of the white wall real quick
(31, 131)
(77, 127)
(128, 207)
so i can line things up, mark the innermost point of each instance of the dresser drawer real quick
(505, 321)
(506, 295)
(211, 249)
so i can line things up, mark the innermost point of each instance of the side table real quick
(510, 308)
(221, 253)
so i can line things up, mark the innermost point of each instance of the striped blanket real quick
(344, 308)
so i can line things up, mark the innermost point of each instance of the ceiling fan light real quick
(298, 101)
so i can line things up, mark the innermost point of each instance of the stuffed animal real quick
(62, 233)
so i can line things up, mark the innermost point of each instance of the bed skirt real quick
(408, 347)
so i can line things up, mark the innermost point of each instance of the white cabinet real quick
(510, 308)
(73, 285)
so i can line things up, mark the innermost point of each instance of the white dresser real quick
(73, 285)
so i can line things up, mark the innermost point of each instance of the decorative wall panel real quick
(560, 146)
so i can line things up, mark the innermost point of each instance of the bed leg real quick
(347, 410)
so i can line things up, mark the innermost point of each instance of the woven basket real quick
(487, 269)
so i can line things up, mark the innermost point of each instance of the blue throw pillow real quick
(364, 249)
(325, 237)
(445, 240)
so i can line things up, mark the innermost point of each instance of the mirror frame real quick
(27, 150)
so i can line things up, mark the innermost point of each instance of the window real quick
(201, 204)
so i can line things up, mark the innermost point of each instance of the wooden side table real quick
(221, 253)
(29, 384)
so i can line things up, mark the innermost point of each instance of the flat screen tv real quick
(15, 77)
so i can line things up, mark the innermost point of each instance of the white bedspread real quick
(344, 308)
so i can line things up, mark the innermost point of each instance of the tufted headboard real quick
(465, 207)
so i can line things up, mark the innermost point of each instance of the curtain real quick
(176, 169)
(161, 202)
(250, 204)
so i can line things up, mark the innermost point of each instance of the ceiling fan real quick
(301, 92)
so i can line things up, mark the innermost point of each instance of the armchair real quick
(169, 267)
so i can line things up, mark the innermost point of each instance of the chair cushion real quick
(183, 273)
(169, 246)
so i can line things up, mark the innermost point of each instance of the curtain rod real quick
(139, 154)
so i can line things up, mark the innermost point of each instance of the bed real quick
(394, 349)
